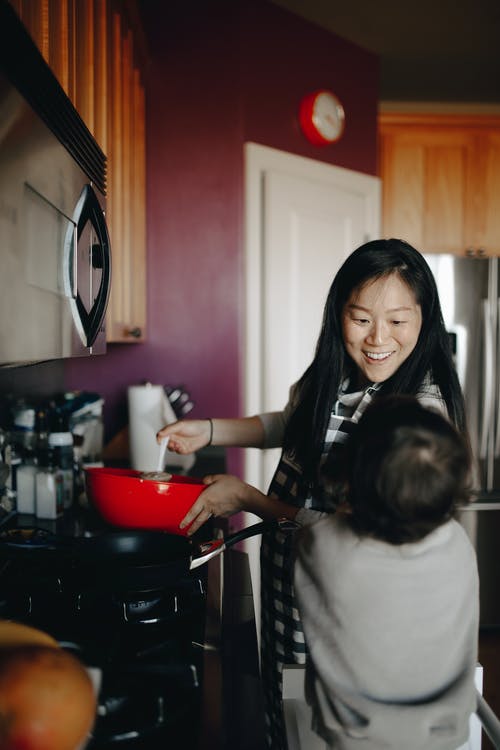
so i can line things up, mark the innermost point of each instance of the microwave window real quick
(45, 229)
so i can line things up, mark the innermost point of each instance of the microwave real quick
(55, 255)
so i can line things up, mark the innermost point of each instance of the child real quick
(388, 589)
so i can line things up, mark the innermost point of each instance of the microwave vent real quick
(25, 67)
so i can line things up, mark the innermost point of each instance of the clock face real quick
(322, 117)
(328, 116)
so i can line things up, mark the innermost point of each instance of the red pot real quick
(123, 498)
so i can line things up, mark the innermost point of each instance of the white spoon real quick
(161, 457)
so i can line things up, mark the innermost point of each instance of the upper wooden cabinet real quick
(96, 50)
(126, 320)
(441, 181)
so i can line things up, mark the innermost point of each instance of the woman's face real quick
(381, 323)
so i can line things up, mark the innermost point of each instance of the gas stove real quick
(144, 636)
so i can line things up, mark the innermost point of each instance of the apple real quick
(18, 634)
(47, 700)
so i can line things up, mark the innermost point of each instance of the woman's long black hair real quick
(319, 385)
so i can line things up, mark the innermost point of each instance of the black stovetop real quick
(146, 642)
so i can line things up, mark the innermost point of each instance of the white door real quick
(303, 218)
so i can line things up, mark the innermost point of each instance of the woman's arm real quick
(189, 435)
(226, 494)
(246, 432)
(259, 431)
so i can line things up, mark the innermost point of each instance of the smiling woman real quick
(381, 324)
(382, 332)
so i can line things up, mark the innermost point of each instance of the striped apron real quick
(282, 638)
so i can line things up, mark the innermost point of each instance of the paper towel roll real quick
(149, 410)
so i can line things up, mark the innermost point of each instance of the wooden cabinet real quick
(126, 321)
(96, 50)
(441, 181)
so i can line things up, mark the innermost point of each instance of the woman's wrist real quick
(211, 430)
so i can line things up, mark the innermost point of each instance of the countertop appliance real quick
(54, 245)
(469, 293)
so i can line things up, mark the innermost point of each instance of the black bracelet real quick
(211, 431)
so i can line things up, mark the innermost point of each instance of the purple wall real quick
(283, 58)
(216, 80)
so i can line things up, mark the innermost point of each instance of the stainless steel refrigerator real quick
(470, 300)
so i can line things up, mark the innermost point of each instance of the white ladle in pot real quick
(163, 451)
(159, 474)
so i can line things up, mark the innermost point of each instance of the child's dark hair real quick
(408, 469)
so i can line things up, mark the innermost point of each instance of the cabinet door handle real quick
(135, 333)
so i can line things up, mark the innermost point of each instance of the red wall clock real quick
(321, 117)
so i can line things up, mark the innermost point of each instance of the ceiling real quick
(430, 50)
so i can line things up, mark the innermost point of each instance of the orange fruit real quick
(47, 700)
(17, 634)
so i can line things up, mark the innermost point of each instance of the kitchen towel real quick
(149, 410)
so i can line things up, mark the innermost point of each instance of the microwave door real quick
(44, 320)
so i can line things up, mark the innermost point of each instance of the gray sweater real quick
(392, 636)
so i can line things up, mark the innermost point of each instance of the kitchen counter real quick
(82, 519)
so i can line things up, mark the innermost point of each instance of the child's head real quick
(408, 469)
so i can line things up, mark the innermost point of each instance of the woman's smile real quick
(378, 355)
(381, 323)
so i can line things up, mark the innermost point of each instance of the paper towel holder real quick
(149, 411)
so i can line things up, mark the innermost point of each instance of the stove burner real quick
(28, 538)
(144, 693)
(126, 720)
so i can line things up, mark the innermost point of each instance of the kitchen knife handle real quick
(488, 379)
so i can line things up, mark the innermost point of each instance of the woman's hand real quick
(224, 496)
(186, 436)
